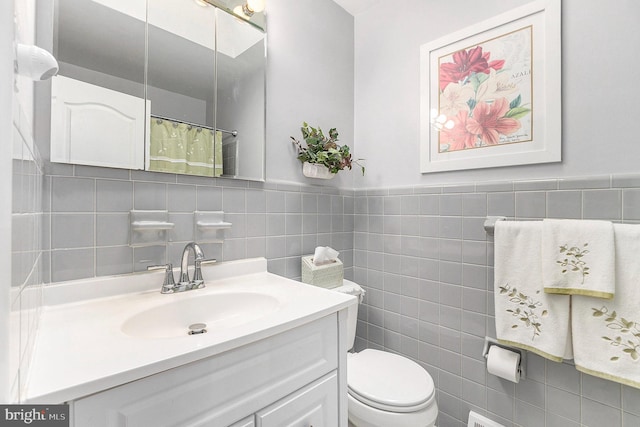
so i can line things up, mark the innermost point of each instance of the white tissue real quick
(504, 363)
(324, 255)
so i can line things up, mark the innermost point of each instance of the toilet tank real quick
(351, 288)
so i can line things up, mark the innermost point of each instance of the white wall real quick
(599, 90)
(309, 78)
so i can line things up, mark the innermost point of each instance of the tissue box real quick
(326, 275)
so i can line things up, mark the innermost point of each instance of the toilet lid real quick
(388, 381)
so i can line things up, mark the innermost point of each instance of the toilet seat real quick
(389, 382)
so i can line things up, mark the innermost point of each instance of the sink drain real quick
(197, 328)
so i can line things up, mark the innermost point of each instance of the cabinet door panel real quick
(314, 406)
(93, 125)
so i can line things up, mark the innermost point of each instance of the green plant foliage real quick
(324, 149)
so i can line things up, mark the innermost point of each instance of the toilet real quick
(385, 389)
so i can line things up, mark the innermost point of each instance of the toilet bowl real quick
(385, 389)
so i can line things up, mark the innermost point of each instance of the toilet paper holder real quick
(488, 342)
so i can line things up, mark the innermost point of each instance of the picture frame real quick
(490, 94)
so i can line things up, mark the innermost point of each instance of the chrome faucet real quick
(185, 284)
(198, 255)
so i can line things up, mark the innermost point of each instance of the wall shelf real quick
(213, 225)
(210, 226)
(149, 228)
(152, 225)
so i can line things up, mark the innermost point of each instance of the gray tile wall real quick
(88, 223)
(427, 264)
(421, 253)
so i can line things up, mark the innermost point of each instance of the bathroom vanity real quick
(274, 353)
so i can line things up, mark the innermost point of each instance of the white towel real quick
(606, 334)
(578, 257)
(526, 317)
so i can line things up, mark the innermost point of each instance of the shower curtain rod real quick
(232, 132)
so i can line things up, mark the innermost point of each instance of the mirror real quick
(163, 85)
(97, 105)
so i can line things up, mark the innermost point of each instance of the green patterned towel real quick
(184, 149)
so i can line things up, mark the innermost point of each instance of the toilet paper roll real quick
(503, 363)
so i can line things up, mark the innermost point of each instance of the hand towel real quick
(526, 317)
(578, 257)
(606, 334)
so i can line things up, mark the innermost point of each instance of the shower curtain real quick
(185, 149)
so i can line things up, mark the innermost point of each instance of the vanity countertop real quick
(81, 347)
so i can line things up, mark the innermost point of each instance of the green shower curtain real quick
(184, 149)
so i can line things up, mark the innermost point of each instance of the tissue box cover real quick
(326, 275)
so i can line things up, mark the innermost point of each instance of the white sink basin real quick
(217, 311)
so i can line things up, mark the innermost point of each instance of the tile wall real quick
(27, 175)
(88, 224)
(427, 265)
(26, 248)
(421, 253)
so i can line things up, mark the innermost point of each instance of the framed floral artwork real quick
(490, 94)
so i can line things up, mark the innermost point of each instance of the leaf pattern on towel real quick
(573, 261)
(527, 310)
(628, 339)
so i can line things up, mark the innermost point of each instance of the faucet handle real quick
(169, 284)
(198, 280)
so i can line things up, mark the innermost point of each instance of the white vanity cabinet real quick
(295, 378)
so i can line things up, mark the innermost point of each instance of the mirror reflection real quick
(240, 95)
(97, 106)
(164, 85)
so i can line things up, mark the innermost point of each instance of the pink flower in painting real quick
(488, 121)
(467, 62)
(458, 137)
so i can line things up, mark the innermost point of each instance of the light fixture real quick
(239, 12)
(249, 8)
(35, 62)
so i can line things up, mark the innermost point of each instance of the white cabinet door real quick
(314, 406)
(247, 422)
(92, 125)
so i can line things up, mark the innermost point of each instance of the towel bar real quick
(490, 223)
